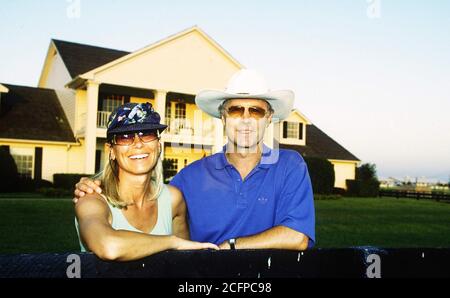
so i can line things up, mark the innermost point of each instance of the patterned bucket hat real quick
(132, 117)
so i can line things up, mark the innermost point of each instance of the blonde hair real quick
(110, 181)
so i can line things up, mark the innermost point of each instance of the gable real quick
(186, 63)
(296, 116)
(3, 89)
(54, 74)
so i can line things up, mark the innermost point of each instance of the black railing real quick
(358, 262)
(438, 196)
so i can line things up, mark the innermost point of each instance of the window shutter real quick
(300, 131)
(285, 129)
(38, 163)
(98, 157)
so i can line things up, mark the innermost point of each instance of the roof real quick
(319, 144)
(81, 58)
(30, 113)
(165, 41)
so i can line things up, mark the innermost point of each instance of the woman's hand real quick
(86, 186)
(182, 244)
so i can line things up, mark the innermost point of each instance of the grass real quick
(36, 225)
(383, 222)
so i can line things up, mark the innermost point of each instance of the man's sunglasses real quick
(127, 139)
(238, 112)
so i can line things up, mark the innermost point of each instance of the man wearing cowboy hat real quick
(248, 195)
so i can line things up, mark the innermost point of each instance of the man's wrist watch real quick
(232, 243)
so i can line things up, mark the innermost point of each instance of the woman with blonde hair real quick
(137, 214)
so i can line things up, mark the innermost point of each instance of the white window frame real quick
(19, 155)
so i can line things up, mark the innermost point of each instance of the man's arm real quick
(278, 237)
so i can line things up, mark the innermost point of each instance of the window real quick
(111, 102)
(24, 161)
(172, 165)
(180, 111)
(292, 130)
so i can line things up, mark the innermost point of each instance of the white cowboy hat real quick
(249, 84)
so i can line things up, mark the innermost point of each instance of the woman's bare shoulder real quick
(177, 197)
(91, 202)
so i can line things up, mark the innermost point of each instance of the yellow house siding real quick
(185, 155)
(343, 170)
(55, 76)
(186, 64)
(56, 158)
(80, 112)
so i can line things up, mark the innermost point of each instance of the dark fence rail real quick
(358, 262)
(438, 196)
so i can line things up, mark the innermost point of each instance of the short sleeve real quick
(296, 208)
(178, 181)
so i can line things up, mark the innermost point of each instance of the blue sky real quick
(373, 74)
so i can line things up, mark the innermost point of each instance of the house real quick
(63, 121)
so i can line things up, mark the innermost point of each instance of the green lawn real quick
(46, 225)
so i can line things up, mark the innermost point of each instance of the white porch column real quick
(269, 135)
(160, 104)
(160, 107)
(91, 127)
(218, 135)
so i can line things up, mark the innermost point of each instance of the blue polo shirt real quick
(277, 192)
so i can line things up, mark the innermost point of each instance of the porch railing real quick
(179, 126)
(102, 119)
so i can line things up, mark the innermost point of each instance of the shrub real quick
(363, 188)
(54, 192)
(8, 171)
(168, 173)
(326, 197)
(321, 172)
(67, 181)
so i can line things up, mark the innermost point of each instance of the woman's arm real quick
(179, 222)
(95, 230)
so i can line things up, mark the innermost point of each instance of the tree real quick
(321, 172)
(366, 183)
(366, 172)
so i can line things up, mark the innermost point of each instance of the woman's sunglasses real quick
(127, 139)
(238, 112)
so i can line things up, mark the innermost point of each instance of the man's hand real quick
(225, 245)
(85, 186)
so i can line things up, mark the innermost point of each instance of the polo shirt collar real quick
(267, 159)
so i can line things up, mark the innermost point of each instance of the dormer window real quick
(293, 130)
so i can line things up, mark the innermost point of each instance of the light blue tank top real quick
(163, 224)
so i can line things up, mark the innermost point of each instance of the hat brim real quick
(281, 101)
(137, 127)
